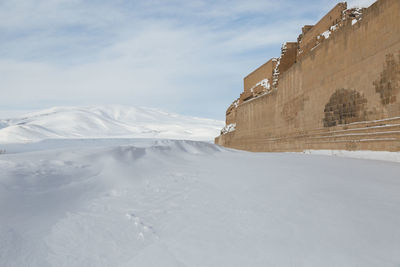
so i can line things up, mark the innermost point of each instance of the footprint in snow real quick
(140, 236)
(141, 225)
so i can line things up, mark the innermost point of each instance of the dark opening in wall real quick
(344, 106)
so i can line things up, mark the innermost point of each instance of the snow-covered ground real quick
(105, 122)
(146, 202)
(375, 155)
(95, 186)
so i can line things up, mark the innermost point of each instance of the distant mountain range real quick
(106, 122)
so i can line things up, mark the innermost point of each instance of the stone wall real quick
(311, 34)
(263, 72)
(344, 94)
(288, 57)
(231, 114)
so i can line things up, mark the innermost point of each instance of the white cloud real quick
(179, 55)
(360, 3)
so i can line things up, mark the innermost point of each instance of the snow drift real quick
(106, 122)
(184, 203)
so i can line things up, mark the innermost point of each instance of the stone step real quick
(372, 129)
(350, 135)
(353, 134)
(359, 136)
(359, 125)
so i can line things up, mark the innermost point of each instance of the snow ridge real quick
(105, 122)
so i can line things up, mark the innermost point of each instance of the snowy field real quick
(92, 195)
(138, 202)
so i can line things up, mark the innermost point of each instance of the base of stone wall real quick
(378, 135)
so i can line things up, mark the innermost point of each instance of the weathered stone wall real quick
(309, 38)
(263, 72)
(288, 57)
(345, 94)
(231, 116)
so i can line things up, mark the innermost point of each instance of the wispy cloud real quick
(185, 56)
(360, 3)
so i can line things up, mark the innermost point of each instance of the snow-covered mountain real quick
(106, 122)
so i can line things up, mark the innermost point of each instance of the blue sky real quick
(188, 57)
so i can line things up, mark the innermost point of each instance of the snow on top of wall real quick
(236, 103)
(264, 83)
(228, 128)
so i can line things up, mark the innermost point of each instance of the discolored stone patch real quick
(344, 106)
(292, 108)
(388, 84)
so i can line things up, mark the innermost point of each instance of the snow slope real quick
(121, 202)
(106, 122)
